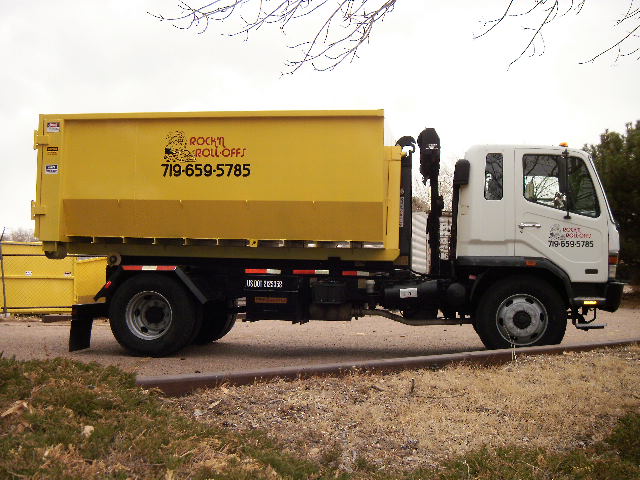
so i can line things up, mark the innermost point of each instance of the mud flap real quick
(82, 316)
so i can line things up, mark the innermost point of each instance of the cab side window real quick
(493, 177)
(541, 184)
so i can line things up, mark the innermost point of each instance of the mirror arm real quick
(565, 158)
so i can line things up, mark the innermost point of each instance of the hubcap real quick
(522, 319)
(148, 315)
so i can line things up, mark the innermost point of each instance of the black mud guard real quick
(82, 316)
(189, 282)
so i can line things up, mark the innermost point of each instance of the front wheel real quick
(521, 311)
(152, 314)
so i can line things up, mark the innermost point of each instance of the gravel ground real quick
(274, 344)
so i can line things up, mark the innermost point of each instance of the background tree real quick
(19, 235)
(422, 193)
(334, 30)
(617, 158)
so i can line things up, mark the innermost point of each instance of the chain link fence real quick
(32, 284)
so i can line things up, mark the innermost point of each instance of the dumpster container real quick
(216, 184)
(36, 284)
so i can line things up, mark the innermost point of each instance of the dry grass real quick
(418, 419)
(61, 419)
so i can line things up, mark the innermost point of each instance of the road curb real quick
(177, 385)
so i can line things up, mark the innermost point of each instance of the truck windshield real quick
(541, 184)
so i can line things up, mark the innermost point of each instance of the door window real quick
(542, 184)
(541, 180)
(493, 177)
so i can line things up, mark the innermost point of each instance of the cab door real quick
(560, 215)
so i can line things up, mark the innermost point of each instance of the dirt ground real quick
(266, 344)
(418, 418)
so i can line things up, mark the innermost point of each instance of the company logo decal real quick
(176, 149)
(572, 237)
(194, 156)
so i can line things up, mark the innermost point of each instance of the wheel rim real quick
(522, 319)
(148, 315)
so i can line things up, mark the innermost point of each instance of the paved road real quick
(273, 343)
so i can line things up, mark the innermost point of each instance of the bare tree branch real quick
(339, 27)
(550, 11)
(335, 30)
(617, 46)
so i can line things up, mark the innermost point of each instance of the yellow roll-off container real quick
(35, 284)
(217, 184)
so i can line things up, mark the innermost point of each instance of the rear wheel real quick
(218, 320)
(520, 311)
(153, 314)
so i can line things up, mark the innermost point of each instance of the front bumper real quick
(613, 295)
(604, 296)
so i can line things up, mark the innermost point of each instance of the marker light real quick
(564, 144)
(590, 302)
(613, 265)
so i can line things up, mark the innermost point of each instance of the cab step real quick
(589, 326)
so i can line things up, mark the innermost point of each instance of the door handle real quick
(524, 225)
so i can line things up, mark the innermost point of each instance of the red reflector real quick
(355, 273)
(107, 285)
(150, 268)
(613, 259)
(530, 263)
(304, 272)
(271, 271)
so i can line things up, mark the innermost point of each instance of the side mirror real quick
(563, 182)
(461, 172)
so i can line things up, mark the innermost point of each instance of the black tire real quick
(520, 311)
(218, 320)
(154, 315)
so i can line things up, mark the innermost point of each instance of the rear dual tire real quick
(154, 315)
(218, 319)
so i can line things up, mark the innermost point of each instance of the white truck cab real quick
(539, 213)
(515, 205)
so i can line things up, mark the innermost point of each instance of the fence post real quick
(4, 285)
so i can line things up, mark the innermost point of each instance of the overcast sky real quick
(422, 66)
